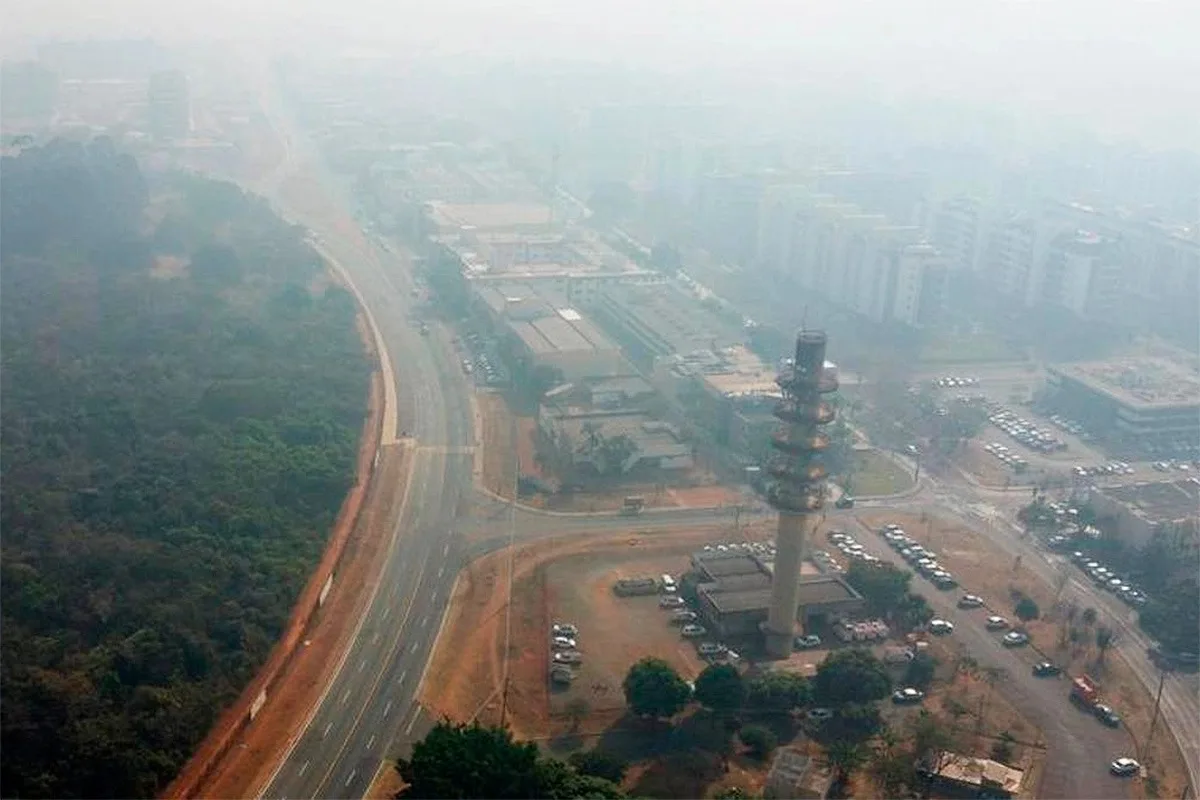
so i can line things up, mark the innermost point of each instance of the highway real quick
(368, 705)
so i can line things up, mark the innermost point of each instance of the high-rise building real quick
(169, 105)
(1082, 275)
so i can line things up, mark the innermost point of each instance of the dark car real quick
(845, 501)
(1108, 716)
(1046, 670)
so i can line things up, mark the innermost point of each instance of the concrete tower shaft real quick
(798, 491)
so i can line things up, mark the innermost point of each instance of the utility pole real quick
(1162, 678)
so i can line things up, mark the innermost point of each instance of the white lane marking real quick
(375, 638)
(303, 769)
(441, 571)
(416, 714)
(387, 610)
(387, 709)
(403, 675)
(413, 649)
(362, 665)
(370, 741)
(446, 549)
(326, 732)
(424, 622)
(353, 772)
(345, 697)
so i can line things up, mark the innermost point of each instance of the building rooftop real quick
(1166, 501)
(543, 318)
(454, 217)
(814, 591)
(674, 319)
(979, 772)
(732, 371)
(1143, 383)
(654, 438)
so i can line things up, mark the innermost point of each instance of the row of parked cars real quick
(1025, 431)
(922, 560)
(1108, 579)
(565, 653)
(954, 382)
(1008, 457)
(1112, 468)
(688, 620)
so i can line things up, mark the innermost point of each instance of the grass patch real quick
(876, 474)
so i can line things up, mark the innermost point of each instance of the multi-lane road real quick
(369, 705)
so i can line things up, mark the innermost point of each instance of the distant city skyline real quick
(1125, 69)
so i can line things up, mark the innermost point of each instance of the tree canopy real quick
(719, 688)
(654, 689)
(854, 675)
(777, 691)
(475, 761)
(882, 585)
(183, 395)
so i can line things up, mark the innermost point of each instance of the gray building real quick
(169, 105)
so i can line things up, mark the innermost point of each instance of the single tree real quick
(654, 689)
(1026, 609)
(1104, 640)
(854, 722)
(920, 671)
(720, 688)
(1002, 748)
(470, 761)
(1089, 616)
(882, 585)
(759, 740)
(777, 691)
(599, 764)
(851, 676)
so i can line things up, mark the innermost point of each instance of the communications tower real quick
(798, 490)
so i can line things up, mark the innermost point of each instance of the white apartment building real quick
(884, 272)
(1083, 275)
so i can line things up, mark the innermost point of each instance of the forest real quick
(184, 388)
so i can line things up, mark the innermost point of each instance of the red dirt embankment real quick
(203, 769)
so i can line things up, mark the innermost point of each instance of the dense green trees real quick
(176, 437)
(719, 688)
(473, 761)
(851, 676)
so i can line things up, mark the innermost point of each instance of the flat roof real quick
(1164, 501)
(1145, 383)
(543, 319)
(978, 772)
(719, 565)
(654, 438)
(824, 590)
(490, 216)
(676, 317)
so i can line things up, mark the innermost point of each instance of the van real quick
(668, 584)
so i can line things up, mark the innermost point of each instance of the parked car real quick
(711, 648)
(1015, 639)
(1124, 767)
(845, 501)
(563, 643)
(670, 601)
(568, 657)
(907, 695)
(819, 714)
(693, 631)
(941, 627)
(1046, 670)
(684, 616)
(970, 601)
(808, 642)
(565, 629)
(1107, 715)
(996, 623)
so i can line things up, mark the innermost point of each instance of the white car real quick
(1124, 767)
(568, 657)
(996, 623)
(941, 627)
(711, 648)
(684, 616)
(1015, 639)
(565, 629)
(693, 631)
(970, 601)
(670, 601)
(563, 643)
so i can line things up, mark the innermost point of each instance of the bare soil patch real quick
(499, 449)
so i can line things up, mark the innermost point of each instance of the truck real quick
(1085, 692)
(633, 505)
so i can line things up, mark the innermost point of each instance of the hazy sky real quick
(1131, 63)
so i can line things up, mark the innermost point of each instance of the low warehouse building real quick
(735, 590)
(955, 775)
